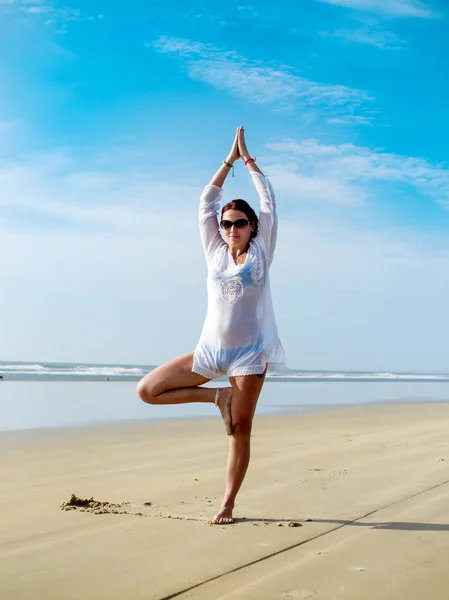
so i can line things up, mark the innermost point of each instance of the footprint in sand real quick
(98, 507)
(299, 594)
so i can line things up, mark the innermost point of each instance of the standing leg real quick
(245, 393)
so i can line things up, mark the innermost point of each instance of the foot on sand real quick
(223, 516)
(223, 401)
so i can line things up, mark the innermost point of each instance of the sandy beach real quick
(346, 503)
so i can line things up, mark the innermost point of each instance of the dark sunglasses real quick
(239, 224)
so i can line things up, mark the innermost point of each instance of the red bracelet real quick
(248, 160)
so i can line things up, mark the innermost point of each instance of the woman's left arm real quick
(268, 221)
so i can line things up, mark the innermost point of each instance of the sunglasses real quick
(239, 224)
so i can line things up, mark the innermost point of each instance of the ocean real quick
(36, 395)
(43, 371)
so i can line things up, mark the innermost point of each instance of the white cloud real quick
(370, 36)
(354, 291)
(394, 8)
(106, 247)
(106, 200)
(53, 186)
(343, 173)
(314, 188)
(261, 83)
(351, 120)
(117, 286)
(48, 12)
(36, 10)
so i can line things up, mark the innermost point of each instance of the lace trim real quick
(242, 371)
(204, 372)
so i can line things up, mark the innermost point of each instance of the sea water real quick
(43, 371)
(43, 395)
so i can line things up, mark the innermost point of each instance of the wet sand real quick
(346, 503)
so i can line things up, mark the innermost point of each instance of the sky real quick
(113, 118)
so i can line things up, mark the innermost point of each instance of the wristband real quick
(248, 160)
(225, 162)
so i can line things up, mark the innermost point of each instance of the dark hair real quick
(244, 207)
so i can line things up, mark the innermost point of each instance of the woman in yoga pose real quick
(239, 337)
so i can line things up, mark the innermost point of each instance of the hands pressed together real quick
(239, 149)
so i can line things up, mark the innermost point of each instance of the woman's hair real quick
(244, 207)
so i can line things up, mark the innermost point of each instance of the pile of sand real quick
(97, 507)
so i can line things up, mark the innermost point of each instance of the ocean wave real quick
(23, 368)
(71, 370)
(352, 376)
(78, 371)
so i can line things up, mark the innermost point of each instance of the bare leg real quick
(245, 393)
(175, 383)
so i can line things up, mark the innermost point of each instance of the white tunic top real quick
(239, 335)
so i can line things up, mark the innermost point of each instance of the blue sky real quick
(112, 119)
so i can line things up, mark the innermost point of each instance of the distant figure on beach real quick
(239, 337)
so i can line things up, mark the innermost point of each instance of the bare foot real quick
(223, 516)
(224, 404)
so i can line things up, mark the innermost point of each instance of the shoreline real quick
(278, 411)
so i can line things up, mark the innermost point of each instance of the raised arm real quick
(210, 204)
(268, 221)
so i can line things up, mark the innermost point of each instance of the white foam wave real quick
(75, 370)
(107, 371)
(36, 371)
(361, 376)
(23, 368)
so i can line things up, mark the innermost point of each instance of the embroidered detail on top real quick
(231, 290)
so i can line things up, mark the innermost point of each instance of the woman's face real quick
(237, 237)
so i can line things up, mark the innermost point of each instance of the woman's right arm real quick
(210, 204)
(208, 217)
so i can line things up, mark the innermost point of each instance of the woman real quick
(239, 337)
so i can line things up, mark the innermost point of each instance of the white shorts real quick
(233, 362)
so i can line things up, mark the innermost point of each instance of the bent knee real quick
(146, 391)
